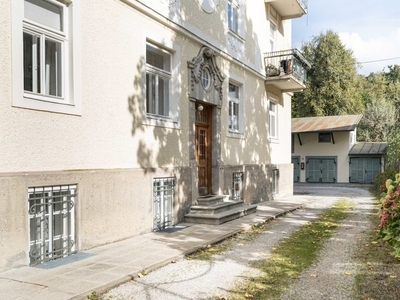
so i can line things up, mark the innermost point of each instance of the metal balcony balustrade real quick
(281, 66)
(289, 9)
(304, 4)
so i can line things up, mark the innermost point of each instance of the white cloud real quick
(373, 49)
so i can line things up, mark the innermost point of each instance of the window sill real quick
(37, 102)
(235, 134)
(236, 35)
(160, 121)
(274, 140)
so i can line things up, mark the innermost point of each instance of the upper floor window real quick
(44, 43)
(272, 36)
(158, 77)
(48, 76)
(234, 107)
(324, 137)
(273, 120)
(232, 15)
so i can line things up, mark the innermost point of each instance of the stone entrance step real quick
(217, 209)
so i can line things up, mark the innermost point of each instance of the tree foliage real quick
(379, 119)
(332, 81)
(393, 150)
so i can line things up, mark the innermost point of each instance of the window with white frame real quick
(45, 72)
(158, 77)
(273, 120)
(272, 36)
(232, 15)
(234, 107)
(44, 42)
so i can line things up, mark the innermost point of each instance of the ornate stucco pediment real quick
(203, 63)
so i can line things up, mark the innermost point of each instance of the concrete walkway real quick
(105, 267)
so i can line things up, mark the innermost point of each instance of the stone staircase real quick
(217, 209)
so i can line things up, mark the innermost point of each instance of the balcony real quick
(289, 9)
(286, 70)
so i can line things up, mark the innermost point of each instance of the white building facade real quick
(115, 116)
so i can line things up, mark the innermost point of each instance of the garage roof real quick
(327, 123)
(368, 148)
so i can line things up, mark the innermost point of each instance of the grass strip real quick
(292, 256)
(378, 273)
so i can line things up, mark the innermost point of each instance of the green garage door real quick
(321, 169)
(296, 169)
(364, 169)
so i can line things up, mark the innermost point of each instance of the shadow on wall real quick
(159, 149)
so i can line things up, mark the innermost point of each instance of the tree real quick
(393, 150)
(332, 81)
(379, 119)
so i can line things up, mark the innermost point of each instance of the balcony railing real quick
(304, 4)
(282, 66)
(289, 9)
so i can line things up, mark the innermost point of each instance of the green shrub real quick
(379, 185)
(389, 211)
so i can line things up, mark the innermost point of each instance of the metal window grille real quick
(237, 186)
(275, 181)
(163, 200)
(52, 222)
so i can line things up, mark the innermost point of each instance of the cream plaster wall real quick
(109, 133)
(281, 147)
(311, 147)
(250, 147)
(109, 150)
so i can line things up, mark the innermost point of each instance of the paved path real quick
(215, 277)
(102, 268)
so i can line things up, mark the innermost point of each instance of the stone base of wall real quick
(111, 205)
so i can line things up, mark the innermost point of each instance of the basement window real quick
(163, 202)
(52, 222)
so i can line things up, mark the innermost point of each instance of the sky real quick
(370, 28)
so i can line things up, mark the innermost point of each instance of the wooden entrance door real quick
(203, 148)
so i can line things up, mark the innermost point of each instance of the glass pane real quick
(272, 107)
(234, 19)
(163, 97)
(53, 68)
(31, 62)
(272, 29)
(229, 15)
(236, 116)
(44, 13)
(158, 58)
(160, 102)
(150, 93)
(233, 91)
(205, 77)
(230, 115)
(272, 126)
(58, 224)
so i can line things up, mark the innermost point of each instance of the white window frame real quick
(158, 39)
(206, 78)
(272, 36)
(69, 102)
(232, 16)
(273, 118)
(237, 131)
(158, 74)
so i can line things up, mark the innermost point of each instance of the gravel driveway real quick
(331, 277)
